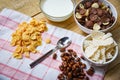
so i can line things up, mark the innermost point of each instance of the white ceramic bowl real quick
(53, 17)
(114, 13)
(97, 63)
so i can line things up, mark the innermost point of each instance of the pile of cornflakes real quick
(27, 38)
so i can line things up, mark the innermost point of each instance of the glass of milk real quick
(57, 10)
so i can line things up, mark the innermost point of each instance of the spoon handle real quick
(37, 61)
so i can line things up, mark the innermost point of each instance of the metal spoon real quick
(62, 43)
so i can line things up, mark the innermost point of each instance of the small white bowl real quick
(97, 63)
(55, 18)
(114, 13)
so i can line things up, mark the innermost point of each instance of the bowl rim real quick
(98, 63)
(104, 30)
(55, 16)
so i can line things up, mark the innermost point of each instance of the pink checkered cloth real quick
(14, 69)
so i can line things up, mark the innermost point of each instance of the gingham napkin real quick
(14, 69)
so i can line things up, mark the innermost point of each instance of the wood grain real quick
(28, 7)
(31, 8)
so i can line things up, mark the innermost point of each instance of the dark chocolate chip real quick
(89, 24)
(90, 71)
(93, 17)
(54, 56)
(93, 11)
(99, 12)
(70, 50)
(82, 11)
(88, 4)
(62, 50)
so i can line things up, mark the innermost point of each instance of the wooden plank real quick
(28, 7)
(113, 73)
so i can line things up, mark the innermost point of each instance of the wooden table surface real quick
(31, 8)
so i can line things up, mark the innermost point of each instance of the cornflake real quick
(27, 37)
(48, 40)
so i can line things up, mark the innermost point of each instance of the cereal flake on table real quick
(47, 40)
(27, 37)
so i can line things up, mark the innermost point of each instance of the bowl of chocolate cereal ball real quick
(95, 15)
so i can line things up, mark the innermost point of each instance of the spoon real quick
(62, 43)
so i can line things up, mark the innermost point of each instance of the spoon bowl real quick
(64, 42)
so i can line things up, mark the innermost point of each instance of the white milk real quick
(57, 8)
